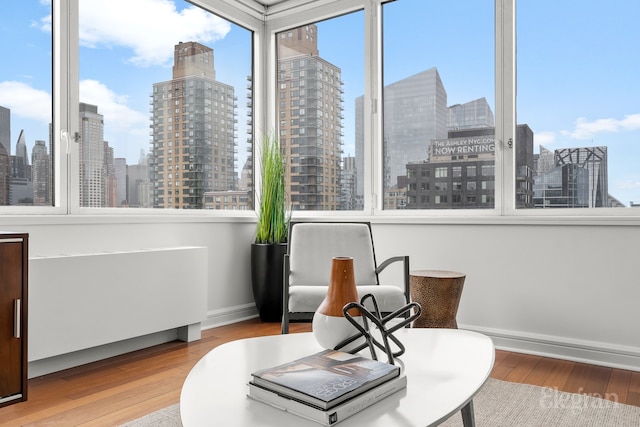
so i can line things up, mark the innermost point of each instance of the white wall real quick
(569, 291)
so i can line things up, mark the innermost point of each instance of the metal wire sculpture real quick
(380, 323)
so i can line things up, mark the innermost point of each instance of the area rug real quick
(501, 404)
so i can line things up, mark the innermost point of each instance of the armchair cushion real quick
(313, 246)
(307, 268)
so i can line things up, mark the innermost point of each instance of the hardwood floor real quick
(123, 388)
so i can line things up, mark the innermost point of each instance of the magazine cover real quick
(334, 414)
(326, 378)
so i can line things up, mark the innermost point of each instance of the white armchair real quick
(307, 268)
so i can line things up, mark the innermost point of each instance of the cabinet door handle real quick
(17, 323)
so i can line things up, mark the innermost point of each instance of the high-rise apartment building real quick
(193, 121)
(110, 180)
(310, 97)
(120, 164)
(139, 193)
(92, 177)
(20, 184)
(349, 182)
(5, 155)
(41, 174)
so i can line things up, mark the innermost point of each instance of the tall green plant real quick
(273, 215)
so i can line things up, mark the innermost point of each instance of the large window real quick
(432, 107)
(26, 138)
(438, 103)
(320, 84)
(165, 107)
(578, 103)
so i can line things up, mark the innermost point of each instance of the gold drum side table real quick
(438, 292)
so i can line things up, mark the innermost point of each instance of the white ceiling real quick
(284, 4)
(272, 8)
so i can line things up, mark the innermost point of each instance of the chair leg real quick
(285, 323)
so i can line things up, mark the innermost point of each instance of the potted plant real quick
(270, 245)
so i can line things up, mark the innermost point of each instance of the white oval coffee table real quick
(445, 368)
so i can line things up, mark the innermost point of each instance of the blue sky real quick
(578, 66)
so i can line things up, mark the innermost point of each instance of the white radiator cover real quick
(82, 301)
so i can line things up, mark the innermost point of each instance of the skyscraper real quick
(350, 199)
(110, 181)
(193, 121)
(415, 112)
(41, 174)
(21, 159)
(92, 180)
(471, 115)
(310, 118)
(120, 164)
(138, 184)
(5, 155)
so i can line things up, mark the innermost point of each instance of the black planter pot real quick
(266, 279)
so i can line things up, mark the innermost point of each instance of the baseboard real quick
(227, 316)
(595, 353)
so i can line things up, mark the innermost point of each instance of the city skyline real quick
(559, 110)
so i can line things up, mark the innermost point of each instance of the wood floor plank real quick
(512, 360)
(633, 398)
(559, 375)
(578, 378)
(500, 356)
(542, 371)
(523, 369)
(618, 386)
(597, 381)
(634, 384)
(500, 372)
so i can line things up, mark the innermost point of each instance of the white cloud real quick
(150, 28)
(44, 24)
(118, 116)
(25, 101)
(585, 129)
(630, 184)
(544, 138)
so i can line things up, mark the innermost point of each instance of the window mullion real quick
(505, 106)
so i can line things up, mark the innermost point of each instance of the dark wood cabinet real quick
(14, 259)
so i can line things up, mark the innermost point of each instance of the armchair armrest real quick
(285, 294)
(404, 259)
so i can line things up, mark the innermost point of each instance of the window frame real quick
(265, 22)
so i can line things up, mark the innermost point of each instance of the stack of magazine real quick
(326, 387)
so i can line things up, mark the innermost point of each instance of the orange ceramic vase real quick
(330, 327)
